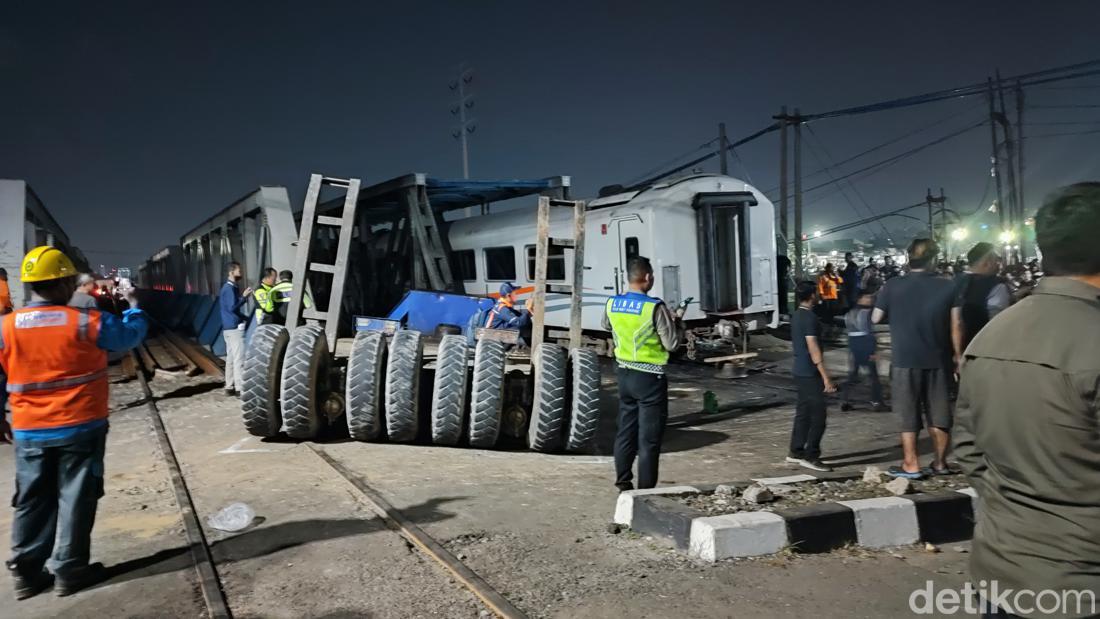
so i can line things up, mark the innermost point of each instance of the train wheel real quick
(486, 393)
(584, 419)
(304, 381)
(548, 412)
(403, 385)
(260, 398)
(449, 394)
(363, 390)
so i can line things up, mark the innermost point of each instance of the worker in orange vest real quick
(54, 358)
(828, 289)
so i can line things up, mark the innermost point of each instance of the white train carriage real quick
(710, 238)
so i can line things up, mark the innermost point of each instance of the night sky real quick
(136, 121)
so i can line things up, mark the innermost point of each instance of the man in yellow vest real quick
(54, 358)
(280, 297)
(645, 332)
(265, 302)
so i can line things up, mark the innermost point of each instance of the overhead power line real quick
(979, 88)
(698, 160)
(1064, 107)
(882, 145)
(1052, 135)
(880, 165)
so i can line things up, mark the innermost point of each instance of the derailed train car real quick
(710, 239)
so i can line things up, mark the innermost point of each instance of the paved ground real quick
(534, 526)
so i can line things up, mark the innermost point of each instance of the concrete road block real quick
(747, 534)
(624, 506)
(885, 521)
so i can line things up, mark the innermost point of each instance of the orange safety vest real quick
(827, 286)
(57, 376)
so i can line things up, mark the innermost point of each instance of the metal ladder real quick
(303, 264)
(575, 290)
(431, 266)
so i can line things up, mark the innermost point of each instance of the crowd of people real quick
(1022, 355)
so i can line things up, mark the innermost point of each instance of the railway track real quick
(206, 569)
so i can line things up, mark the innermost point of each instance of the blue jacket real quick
(230, 302)
(504, 317)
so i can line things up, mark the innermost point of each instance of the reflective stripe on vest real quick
(636, 339)
(61, 383)
(282, 291)
(56, 374)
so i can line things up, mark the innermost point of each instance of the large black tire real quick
(363, 390)
(548, 412)
(449, 393)
(486, 393)
(263, 364)
(584, 418)
(305, 377)
(403, 385)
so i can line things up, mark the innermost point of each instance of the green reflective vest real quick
(282, 291)
(636, 339)
(265, 304)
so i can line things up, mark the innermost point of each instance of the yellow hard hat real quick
(45, 263)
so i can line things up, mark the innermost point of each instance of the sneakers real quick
(624, 486)
(231, 393)
(879, 407)
(81, 578)
(29, 586)
(815, 464)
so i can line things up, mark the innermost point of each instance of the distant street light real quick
(1007, 236)
(959, 234)
(817, 234)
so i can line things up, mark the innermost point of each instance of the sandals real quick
(947, 470)
(897, 471)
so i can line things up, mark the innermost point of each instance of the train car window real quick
(555, 264)
(465, 265)
(500, 264)
(631, 245)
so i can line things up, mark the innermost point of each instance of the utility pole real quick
(723, 147)
(932, 203)
(1010, 153)
(465, 125)
(994, 159)
(798, 195)
(783, 227)
(1020, 164)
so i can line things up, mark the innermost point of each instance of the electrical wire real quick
(657, 168)
(851, 185)
(882, 145)
(881, 165)
(1064, 107)
(1053, 135)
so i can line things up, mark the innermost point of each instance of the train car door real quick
(629, 235)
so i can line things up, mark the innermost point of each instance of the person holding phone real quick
(811, 380)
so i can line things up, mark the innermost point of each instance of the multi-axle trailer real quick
(427, 368)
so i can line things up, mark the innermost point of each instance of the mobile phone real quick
(683, 304)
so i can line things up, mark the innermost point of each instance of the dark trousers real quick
(643, 411)
(862, 347)
(809, 418)
(57, 487)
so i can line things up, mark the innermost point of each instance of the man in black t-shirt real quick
(810, 379)
(918, 308)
